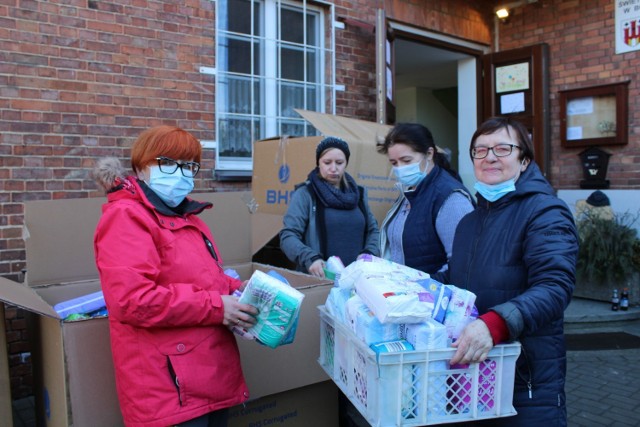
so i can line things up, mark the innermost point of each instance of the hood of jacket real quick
(112, 177)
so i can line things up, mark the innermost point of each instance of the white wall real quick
(622, 201)
(418, 105)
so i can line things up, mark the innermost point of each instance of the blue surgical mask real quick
(496, 191)
(410, 175)
(171, 188)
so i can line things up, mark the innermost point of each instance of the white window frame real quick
(270, 65)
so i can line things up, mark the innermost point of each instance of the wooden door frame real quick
(537, 119)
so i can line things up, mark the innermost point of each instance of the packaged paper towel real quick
(369, 264)
(278, 305)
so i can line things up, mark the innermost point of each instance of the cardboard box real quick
(281, 163)
(75, 384)
(315, 405)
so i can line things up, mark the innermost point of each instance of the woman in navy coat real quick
(517, 252)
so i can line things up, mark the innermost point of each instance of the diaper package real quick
(366, 326)
(428, 335)
(278, 305)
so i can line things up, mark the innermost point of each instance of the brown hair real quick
(495, 124)
(167, 141)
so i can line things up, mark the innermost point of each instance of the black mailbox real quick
(594, 168)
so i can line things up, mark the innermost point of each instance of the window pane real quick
(292, 63)
(297, 128)
(235, 94)
(292, 128)
(292, 96)
(236, 16)
(234, 55)
(236, 136)
(313, 100)
(293, 24)
(313, 65)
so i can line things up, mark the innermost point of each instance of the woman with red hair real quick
(169, 302)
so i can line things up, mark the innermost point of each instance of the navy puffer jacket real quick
(518, 255)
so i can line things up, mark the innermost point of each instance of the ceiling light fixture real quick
(502, 13)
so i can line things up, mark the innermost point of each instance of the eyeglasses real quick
(170, 166)
(500, 150)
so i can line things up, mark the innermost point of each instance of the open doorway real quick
(436, 84)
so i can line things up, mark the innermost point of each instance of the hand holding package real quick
(278, 305)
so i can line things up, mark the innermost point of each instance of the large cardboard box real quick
(75, 384)
(314, 405)
(281, 163)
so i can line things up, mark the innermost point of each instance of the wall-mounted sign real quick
(594, 115)
(627, 25)
(510, 78)
(512, 103)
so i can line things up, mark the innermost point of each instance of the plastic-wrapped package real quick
(459, 311)
(278, 305)
(81, 305)
(366, 326)
(393, 300)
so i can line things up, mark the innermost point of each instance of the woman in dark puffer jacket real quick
(517, 252)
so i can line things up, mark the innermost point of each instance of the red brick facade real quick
(79, 79)
(580, 34)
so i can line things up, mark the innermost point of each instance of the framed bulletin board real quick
(594, 116)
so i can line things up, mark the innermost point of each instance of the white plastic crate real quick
(416, 388)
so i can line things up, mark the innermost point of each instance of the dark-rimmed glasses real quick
(500, 150)
(170, 166)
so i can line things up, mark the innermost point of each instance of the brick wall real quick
(580, 34)
(79, 80)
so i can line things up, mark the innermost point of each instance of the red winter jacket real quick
(173, 358)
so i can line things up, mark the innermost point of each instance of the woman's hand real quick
(317, 268)
(238, 314)
(473, 345)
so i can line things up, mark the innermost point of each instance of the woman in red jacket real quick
(169, 302)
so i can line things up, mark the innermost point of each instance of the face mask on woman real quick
(410, 175)
(497, 191)
(171, 188)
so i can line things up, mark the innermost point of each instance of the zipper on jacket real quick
(174, 378)
(529, 381)
(475, 244)
(211, 249)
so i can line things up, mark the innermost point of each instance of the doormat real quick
(602, 341)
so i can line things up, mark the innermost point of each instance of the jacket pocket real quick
(200, 370)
